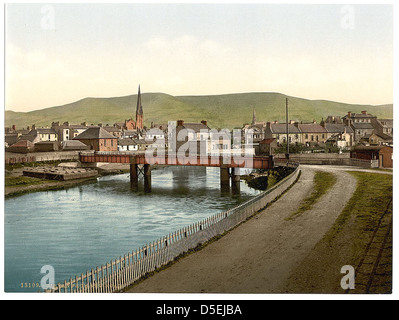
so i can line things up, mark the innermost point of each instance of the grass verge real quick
(373, 193)
(323, 181)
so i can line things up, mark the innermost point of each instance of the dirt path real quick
(258, 256)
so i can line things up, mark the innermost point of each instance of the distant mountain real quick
(221, 111)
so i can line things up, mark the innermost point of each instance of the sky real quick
(60, 53)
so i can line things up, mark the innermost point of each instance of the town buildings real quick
(192, 137)
(262, 137)
(382, 155)
(341, 132)
(98, 139)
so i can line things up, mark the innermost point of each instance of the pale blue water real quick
(82, 227)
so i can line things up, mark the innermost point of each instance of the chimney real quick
(84, 124)
(292, 121)
(13, 127)
(364, 112)
(268, 131)
(33, 127)
(100, 124)
(66, 123)
(204, 122)
(350, 114)
(180, 122)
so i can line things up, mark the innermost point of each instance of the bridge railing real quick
(124, 271)
(233, 161)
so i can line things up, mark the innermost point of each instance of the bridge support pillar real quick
(224, 179)
(147, 178)
(134, 175)
(235, 180)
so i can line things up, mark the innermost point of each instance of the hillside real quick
(221, 111)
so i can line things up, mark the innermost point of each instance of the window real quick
(306, 136)
(112, 142)
(105, 142)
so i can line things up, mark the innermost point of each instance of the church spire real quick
(139, 112)
(139, 109)
(254, 117)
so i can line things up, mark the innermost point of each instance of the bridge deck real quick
(255, 162)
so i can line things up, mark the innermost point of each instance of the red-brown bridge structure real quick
(141, 163)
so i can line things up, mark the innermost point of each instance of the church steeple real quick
(139, 112)
(254, 117)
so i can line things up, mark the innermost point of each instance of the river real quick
(82, 227)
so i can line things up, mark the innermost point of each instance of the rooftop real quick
(196, 127)
(311, 128)
(362, 125)
(95, 133)
(280, 128)
(337, 128)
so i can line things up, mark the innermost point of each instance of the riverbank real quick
(265, 179)
(16, 184)
(42, 185)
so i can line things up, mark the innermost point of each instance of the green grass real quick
(22, 181)
(323, 181)
(372, 195)
(160, 108)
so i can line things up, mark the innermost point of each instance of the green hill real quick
(221, 111)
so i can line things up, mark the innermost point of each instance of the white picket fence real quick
(122, 272)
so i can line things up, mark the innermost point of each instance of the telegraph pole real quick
(287, 155)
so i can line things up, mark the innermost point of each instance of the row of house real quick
(346, 132)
